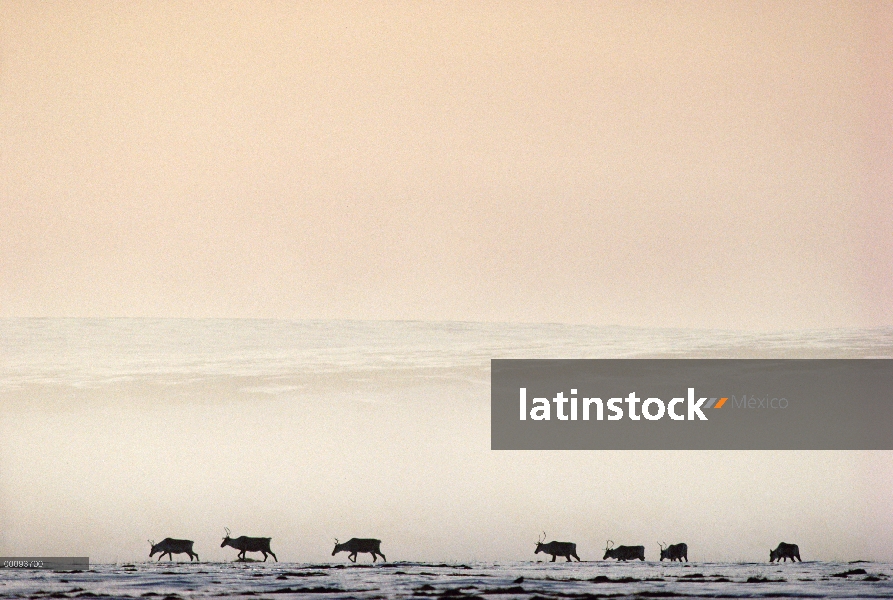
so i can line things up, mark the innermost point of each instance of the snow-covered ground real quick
(599, 579)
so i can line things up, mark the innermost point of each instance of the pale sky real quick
(663, 164)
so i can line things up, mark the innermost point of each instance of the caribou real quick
(785, 551)
(355, 545)
(248, 544)
(673, 552)
(170, 546)
(556, 549)
(624, 552)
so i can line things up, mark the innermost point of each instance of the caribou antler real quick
(226, 529)
(336, 541)
(610, 545)
(151, 542)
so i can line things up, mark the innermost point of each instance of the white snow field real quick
(543, 580)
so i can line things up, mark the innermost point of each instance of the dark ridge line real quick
(311, 590)
(515, 589)
(850, 572)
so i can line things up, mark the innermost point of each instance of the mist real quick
(142, 430)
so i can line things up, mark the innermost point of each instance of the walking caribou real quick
(249, 544)
(170, 546)
(673, 551)
(785, 551)
(556, 549)
(624, 552)
(356, 545)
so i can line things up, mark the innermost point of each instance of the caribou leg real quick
(554, 556)
(374, 557)
(382, 557)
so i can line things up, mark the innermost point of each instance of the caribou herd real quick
(354, 546)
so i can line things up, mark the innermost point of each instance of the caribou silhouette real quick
(556, 549)
(785, 551)
(356, 545)
(249, 544)
(673, 552)
(170, 546)
(624, 552)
